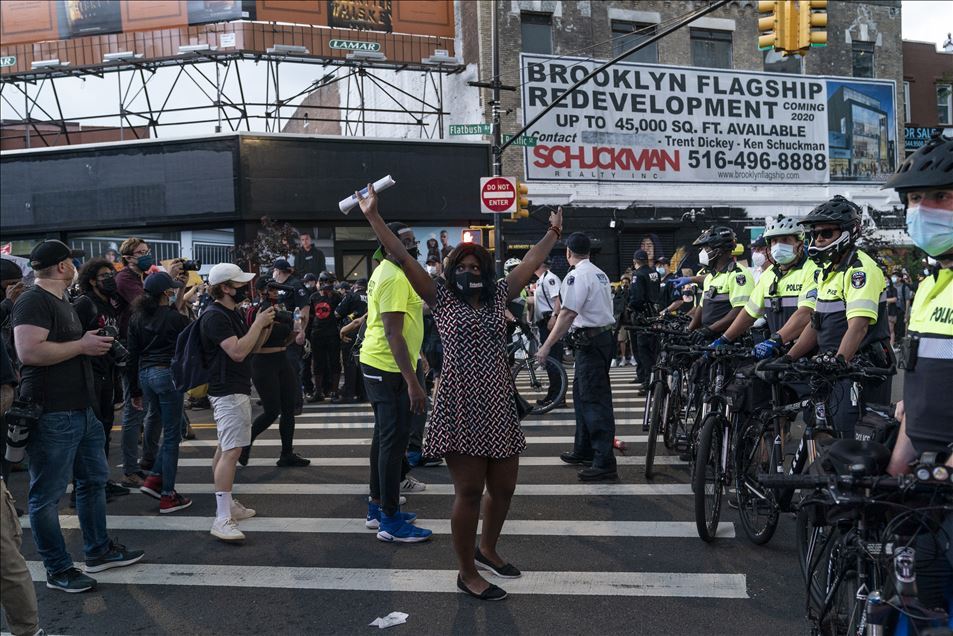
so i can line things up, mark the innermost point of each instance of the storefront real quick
(198, 197)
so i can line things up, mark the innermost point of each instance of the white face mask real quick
(757, 259)
(703, 257)
(432, 270)
(661, 271)
(782, 253)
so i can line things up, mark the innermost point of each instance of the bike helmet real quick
(511, 264)
(931, 166)
(844, 214)
(716, 241)
(783, 226)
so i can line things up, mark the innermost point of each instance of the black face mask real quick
(240, 295)
(414, 251)
(468, 283)
(108, 286)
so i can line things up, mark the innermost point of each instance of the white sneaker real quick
(240, 512)
(631, 362)
(614, 363)
(227, 530)
(401, 501)
(412, 485)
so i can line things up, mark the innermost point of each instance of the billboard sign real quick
(654, 123)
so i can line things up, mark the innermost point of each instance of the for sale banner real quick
(653, 123)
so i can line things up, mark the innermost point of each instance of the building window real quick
(944, 103)
(774, 62)
(626, 35)
(537, 31)
(711, 48)
(863, 59)
(906, 102)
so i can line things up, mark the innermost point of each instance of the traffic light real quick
(522, 202)
(768, 25)
(812, 24)
(789, 25)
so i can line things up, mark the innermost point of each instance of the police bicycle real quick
(859, 571)
(535, 382)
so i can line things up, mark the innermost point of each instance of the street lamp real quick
(195, 48)
(366, 56)
(441, 57)
(54, 63)
(121, 56)
(288, 49)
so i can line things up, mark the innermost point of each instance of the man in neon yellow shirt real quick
(389, 354)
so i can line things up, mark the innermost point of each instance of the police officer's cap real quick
(579, 243)
(262, 282)
(10, 270)
(361, 282)
(282, 265)
(661, 260)
(640, 255)
(309, 277)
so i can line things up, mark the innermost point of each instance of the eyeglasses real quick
(824, 234)
(106, 276)
(138, 253)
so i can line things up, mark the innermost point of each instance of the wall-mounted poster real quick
(93, 17)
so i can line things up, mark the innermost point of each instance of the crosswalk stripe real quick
(530, 490)
(324, 525)
(366, 441)
(600, 583)
(356, 462)
(527, 423)
(313, 410)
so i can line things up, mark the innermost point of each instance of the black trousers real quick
(295, 353)
(645, 351)
(393, 422)
(326, 362)
(557, 353)
(275, 380)
(592, 401)
(104, 390)
(353, 387)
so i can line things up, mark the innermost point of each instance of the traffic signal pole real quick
(497, 133)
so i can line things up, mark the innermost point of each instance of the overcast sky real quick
(927, 20)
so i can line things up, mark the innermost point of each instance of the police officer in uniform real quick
(850, 316)
(351, 308)
(546, 308)
(586, 297)
(925, 184)
(784, 294)
(727, 286)
(642, 303)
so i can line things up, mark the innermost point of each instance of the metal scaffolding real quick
(220, 82)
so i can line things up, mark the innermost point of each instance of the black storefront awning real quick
(232, 178)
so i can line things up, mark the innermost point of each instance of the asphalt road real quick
(618, 559)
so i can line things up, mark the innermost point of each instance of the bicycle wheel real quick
(756, 505)
(673, 404)
(655, 411)
(831, 559)
(708, 480)
(533, 383)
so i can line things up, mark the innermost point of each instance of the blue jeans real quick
(64, 445)
(157, 389)
(132, 421)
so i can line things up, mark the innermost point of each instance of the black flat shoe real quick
(595, 474)
(492, 593)
(570, 457)
(506, 571)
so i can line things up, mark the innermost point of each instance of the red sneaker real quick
(152, 486)
(173, 502)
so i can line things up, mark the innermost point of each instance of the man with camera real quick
(138, 260)
(66, 440)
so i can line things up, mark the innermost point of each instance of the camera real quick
(117, 352)
(285, 317)
(282, 289)
(191, 266)
(20, 420)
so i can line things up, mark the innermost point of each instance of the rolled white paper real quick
(379, 186)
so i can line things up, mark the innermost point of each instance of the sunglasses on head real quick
(827, 233)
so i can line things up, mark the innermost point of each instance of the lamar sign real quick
(354, 45)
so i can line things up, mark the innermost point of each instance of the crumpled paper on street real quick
(394, 618)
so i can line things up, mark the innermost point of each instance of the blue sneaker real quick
(395, 529)
(117, 556)
(373, 520)
(413, 458)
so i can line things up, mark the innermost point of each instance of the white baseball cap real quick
(228, 272)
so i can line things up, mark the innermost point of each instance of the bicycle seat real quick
(843, 454)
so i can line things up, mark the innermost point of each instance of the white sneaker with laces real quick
(632, 362)
(412, 485)
(614, 363)
(240, 512)
(227, 530)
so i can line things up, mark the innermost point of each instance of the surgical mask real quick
(661, 271)
(782, 253)
(108, 286)
(930, 229)
(145, 262)
(432, 270)
(703, 257)
(757, 259)
(468, 283)
(894, 280)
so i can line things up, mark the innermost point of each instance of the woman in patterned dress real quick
(474, 424)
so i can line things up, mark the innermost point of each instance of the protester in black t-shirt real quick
(99, 306)
(309, 259)
(67, 440)
(10, 275)
(284, 274)
(325, 340)
(228, 344)
(275, 380)
(352, 308)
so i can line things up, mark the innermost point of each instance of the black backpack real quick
(189, 366)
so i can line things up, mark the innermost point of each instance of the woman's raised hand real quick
(556, 218)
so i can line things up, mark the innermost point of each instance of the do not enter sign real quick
(498, 195)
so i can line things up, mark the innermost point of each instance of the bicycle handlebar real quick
(809, 367)
(879, 482)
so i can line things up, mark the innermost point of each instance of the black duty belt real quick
(592, 332)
